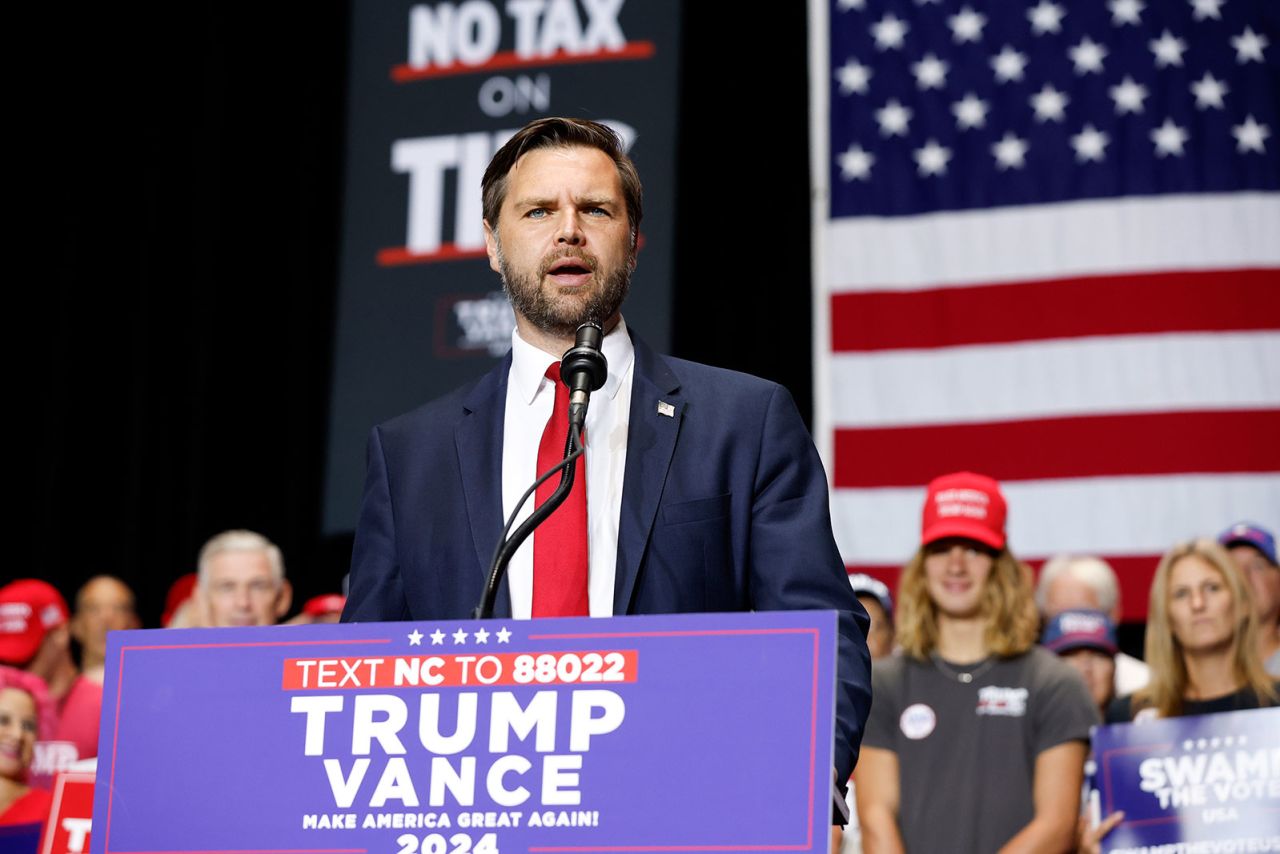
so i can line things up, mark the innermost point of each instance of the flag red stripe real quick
(1217, 300)
(1133, 571)
(1088, 446)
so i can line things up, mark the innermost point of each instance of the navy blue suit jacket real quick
(724, 508)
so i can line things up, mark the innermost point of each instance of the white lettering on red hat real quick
(13, 617)
(962, 502)
(972, 496)
(50, 616)
(917, 721)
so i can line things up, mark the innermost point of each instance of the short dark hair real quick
(560, 132)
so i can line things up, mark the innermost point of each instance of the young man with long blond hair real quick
(972, 721)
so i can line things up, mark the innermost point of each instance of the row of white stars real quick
(1010, 65)
(1215, 742)
(1049, 105)
(460, 636)
(1045, 17)
(890, 33)
(1090, 145)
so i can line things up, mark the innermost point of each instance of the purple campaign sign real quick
(707, 732)
(1211, 779)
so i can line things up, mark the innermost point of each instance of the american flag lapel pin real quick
(666, 409)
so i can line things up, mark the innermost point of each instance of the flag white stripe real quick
(1114, 236)
(1106, 515)
(1045, 379)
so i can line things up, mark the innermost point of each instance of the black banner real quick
(435, 89)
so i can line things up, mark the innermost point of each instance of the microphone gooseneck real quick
(583, 368)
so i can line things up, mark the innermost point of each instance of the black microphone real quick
(583, 369)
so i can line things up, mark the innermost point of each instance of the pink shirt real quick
(78, 720)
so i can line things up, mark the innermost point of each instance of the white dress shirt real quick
(530, 396)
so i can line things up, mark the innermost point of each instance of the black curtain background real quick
(174, 361)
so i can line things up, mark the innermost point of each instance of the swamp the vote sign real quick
(669, 733)
(1191, 785)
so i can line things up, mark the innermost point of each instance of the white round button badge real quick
(917, 721)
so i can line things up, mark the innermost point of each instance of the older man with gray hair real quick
(240, 581)
(1079, 582)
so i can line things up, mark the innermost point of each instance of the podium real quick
(706, 732)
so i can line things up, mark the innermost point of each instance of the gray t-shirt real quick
(967, 751)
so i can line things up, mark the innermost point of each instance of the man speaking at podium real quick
(701, 489)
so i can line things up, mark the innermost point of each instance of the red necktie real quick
(560, 542)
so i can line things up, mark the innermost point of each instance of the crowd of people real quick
(989, 676)
(978, 658)
(53, 658)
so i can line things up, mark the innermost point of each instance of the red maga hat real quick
(325, 603)
(180, 591)
(29, 610)
(964, 504)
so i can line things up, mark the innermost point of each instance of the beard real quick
(560, 314)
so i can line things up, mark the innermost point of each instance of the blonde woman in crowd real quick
(977, 737)
(1201, 645)
(1201, 641)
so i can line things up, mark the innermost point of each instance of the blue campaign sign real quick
(653, 733)
(1201, 778)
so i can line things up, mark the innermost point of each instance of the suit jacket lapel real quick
(478, 439)
(651, 442)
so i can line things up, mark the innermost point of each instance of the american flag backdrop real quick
(1047, 249)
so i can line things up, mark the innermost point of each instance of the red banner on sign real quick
(70, 817)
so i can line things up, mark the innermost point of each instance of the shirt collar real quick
(529, 364)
